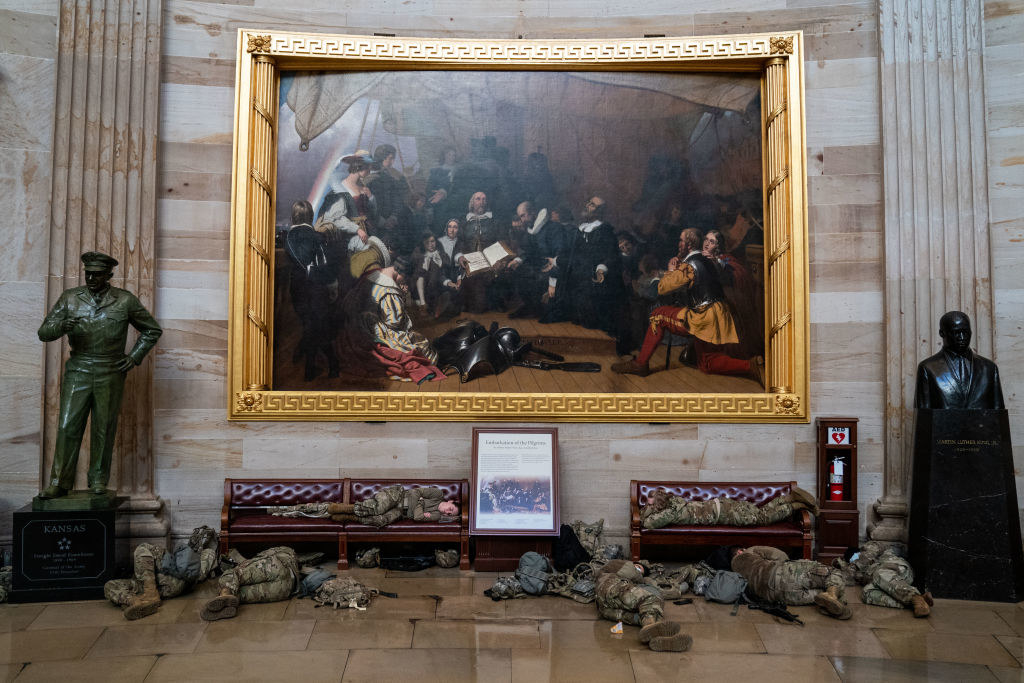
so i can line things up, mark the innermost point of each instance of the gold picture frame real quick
(263, 56)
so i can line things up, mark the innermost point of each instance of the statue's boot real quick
(53, 491)
(148, 601)
(656, 629)
(224, 606)
(922, 605)
(680, 642)
(341, 508)
(832, 603)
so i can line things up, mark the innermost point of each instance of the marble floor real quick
(441, 627)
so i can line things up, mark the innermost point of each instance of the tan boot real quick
(340, 508)
(344, 517)
(656, 629)
(833, 605)
(922, 607)
(224, 606)
(680, 642)
(145, 603)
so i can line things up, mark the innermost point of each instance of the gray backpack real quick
(534, 573)
(725, 587)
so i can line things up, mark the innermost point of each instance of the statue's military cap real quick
(96, 260)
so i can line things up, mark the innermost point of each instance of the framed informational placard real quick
(515, 482)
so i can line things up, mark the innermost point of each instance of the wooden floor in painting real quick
(573, 342)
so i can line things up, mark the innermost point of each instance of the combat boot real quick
(224, 606)
(830, 602)
(680, 642)
(145, 603)
(340, 508)
(344, 517)
(921, 604)
(656, 629)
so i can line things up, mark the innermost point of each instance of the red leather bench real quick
(407, 530)
(792, 533)
(245, 519)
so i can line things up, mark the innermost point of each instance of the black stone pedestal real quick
(965, 538)
(64, 554)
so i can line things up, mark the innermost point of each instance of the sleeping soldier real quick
(624, 594)
(159, 574)
(270, 576)
(887, 578)
(772, 576)
(664, 508)
(425, 504)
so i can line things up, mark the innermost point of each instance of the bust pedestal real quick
(965, 538)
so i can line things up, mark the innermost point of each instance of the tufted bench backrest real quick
(252, 494)
(363, 489)
(757, 492)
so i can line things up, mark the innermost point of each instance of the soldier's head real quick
(955, 330)
(99, 268)
(302, 212)
(448, 508)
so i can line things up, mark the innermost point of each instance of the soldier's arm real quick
(418, 509)
(676, 279)
(52, 327)
(149, 330)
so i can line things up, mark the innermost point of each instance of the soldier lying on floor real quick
(159, 575)
(390, 504)
(272, 575)
(772, 576)
(887, 578)
(664, 508)
(625, 593)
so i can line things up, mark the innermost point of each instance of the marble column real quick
(937, 255)
(104, 197)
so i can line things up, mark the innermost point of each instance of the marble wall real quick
(195, 447)
(1004, 117)
(28, 48)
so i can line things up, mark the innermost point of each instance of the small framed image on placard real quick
(515, 482)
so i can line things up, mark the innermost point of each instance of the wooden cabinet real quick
(838, 520)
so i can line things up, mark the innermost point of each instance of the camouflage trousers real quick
(796, 582)
(628, 602)
(887, 577)
(718, 511)
(318, 510)
(269, 577)
(383, 508)
(145, 560)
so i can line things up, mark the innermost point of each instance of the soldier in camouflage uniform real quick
(270, 576)
(159, 575)
(664, 508)
(5, 583)
(772, 576)
(390, 504)
(887, 578)
(624, 594)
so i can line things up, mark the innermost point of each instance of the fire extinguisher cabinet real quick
(838, 520)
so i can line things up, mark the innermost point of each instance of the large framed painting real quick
(548, 230)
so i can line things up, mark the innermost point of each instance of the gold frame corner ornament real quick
(259, 43)
(261, 60)
(781, 45)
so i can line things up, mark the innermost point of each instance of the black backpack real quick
(568, 551)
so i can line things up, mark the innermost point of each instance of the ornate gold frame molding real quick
(261, 58)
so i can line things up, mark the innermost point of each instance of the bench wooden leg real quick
(807, 547)
(464, 552)
(634, 547)
(342, 551)
(224, 544)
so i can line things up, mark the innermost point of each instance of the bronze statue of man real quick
(95, 318)
(956, 377)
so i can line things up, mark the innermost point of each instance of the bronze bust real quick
(955, 377)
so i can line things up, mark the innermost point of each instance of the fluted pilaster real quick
(936, 208)
(104, 197)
